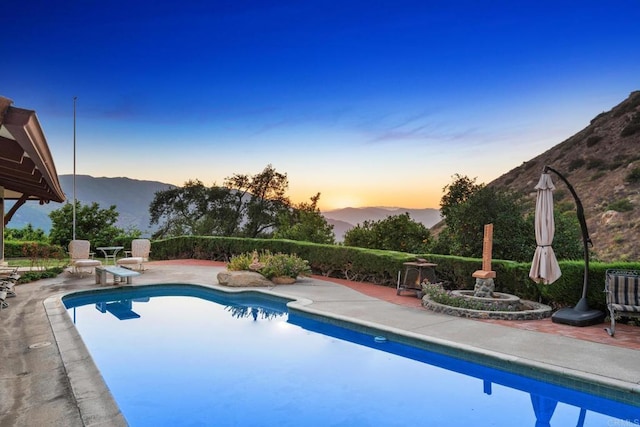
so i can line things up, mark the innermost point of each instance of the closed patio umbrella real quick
(544, 267)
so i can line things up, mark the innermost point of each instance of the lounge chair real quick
(79, 251)
(7, 287)
(9, 273)
(8, 278)
(137, 256)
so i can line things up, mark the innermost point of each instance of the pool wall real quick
(609, 388)
(96, 404)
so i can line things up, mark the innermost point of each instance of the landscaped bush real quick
(40, 254)
(271, 265)
(30, 276)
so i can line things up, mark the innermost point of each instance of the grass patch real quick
(622, 205)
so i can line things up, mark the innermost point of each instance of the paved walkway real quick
(627, 336)
(48, 378)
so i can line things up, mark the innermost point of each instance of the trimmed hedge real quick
(20, 249)
(382, 267)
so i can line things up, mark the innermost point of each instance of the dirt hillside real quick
(602, 163)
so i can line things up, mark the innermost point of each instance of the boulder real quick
(239, 279)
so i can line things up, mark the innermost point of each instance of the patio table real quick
(110, 252)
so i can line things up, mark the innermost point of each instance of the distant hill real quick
(602, 163)
(347, 218)
(131, 196)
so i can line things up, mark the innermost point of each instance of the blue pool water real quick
(185, 355)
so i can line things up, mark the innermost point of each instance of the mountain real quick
(132, 198)
(602, 163)
(347, 218)
(339, 228)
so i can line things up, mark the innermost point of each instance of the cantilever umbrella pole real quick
(580, 315)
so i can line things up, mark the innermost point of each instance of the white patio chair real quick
(137, 256)
(81, 258)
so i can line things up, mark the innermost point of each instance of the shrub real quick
(595, 163)
(633, 177)
(632, 127)
(31, 276)
(593, 140)
(576, 164)
(240, 262)
(622, 205)
(271, 265)
(284, 265)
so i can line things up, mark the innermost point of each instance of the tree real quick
(395, 233)
(470, 206)
(457, 193)
(193, 210)
(27, 233)
(245, 206)
(305, 222)
(92, 223)
(567, 240)
(260, 200)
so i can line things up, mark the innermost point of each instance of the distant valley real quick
(132, 198)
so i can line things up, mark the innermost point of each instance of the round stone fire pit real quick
(500, 306)
(499, 302)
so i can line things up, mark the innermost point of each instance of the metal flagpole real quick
(74, 167)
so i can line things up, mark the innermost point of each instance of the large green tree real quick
(395, 233)
(259, 201)
(305, 222)
(468, 206)
(193, 209)
(244, 206)
(93, 223)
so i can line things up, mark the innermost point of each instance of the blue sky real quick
(369, 103)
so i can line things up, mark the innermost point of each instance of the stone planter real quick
(283, 280)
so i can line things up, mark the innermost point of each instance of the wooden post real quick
(487, 248)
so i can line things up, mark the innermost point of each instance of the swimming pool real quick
(187, 355)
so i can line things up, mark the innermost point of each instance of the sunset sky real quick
(370, 103)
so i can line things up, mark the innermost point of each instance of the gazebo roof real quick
(27, 171)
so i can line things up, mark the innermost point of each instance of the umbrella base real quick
(577, 317)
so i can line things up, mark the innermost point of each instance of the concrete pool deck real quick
(48, 378)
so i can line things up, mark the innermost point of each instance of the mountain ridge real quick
(132, 198)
